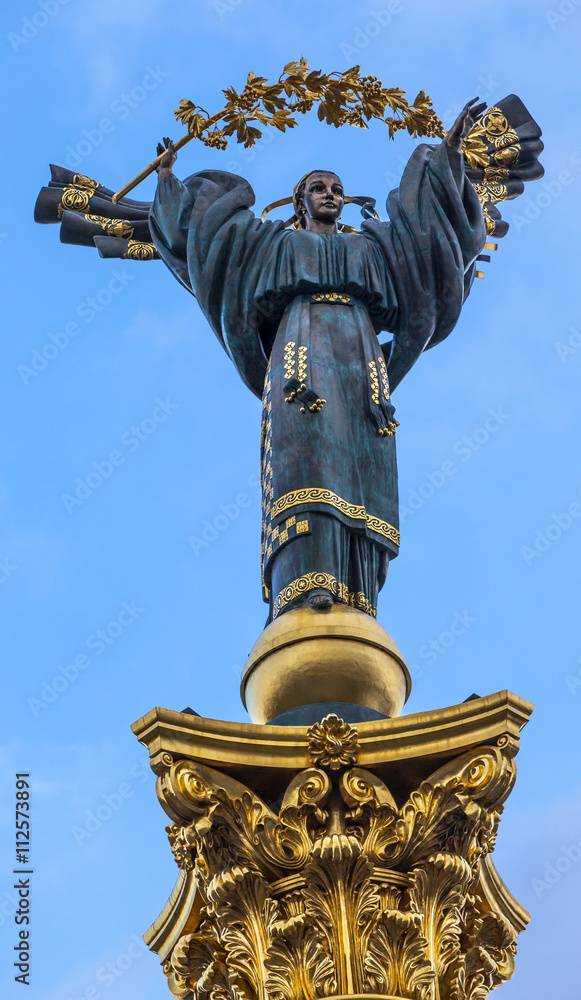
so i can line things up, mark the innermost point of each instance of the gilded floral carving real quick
(333, 743)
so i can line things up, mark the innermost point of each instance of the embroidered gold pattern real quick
(316, 495)
(77, 195)
(136, 250)
(113, 227)
(289, 360)
(494, 123)
(301, 385)
(266, 469)
(374, 382)
(489, 222)
(302, 365)
(335, 297)
(507, 155)
(275, 538)
(492, 130)
(75, 200)
(507, 139)
(489, 191)
(312, 581)
(81, 180)
(384, 379)
(358, 600)
(497, 174)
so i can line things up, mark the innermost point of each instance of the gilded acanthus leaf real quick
(344, 890)
(396, 962)
(438, 896)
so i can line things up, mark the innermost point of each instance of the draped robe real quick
(299, 313)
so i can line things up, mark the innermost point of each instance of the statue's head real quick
(319, 199)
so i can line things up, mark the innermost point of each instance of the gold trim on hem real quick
(317, 495)
(312, 581)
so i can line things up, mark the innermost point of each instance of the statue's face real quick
(323, 197)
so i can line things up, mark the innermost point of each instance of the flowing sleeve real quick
(204, 230)
(435, 233)
(169, 220)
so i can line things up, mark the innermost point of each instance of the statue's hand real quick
(168, 159)
(464, 123)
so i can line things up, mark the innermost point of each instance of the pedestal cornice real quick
(427, 738)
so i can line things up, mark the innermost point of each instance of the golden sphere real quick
(310, 655)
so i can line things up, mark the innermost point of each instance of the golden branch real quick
(342, 98)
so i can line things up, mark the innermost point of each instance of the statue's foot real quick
(320, 599)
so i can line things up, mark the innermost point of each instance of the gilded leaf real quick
(300, 88)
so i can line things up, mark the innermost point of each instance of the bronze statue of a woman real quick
(300, 311)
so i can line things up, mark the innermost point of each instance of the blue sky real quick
(468, 549)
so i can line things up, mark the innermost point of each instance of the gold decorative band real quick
(113, 227)
(374, 382)
(312, 581)
(315, 495)
(336, 297)
(75, 199)
(136, 250)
